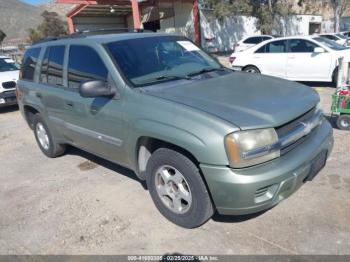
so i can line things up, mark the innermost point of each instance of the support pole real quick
(136, 14)
(196, 22)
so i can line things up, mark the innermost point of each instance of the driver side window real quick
(301, 46)
(85, 65)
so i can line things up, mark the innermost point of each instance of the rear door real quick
(95, 124)
(304, 64)
(52, 87)
(271, 58)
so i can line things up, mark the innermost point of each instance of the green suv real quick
(205, 138)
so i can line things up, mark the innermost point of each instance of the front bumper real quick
(254, 189)
(8, 98)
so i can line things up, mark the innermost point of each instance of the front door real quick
(306, 65)
(95, 124)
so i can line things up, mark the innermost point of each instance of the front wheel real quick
(343, 122)
(251, 69)
(177, 189)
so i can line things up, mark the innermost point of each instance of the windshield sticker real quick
(188, 46)
(9, 61)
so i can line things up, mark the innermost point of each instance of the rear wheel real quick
(343, 122)
(45, 140)
(177, 189)
(251, 69)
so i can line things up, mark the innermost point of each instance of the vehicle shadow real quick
(236, 218)
(318, 84)
(8, 109)
(105, 163)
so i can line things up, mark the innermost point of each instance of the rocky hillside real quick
(17, 17)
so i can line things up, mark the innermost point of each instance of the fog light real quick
(2, 101)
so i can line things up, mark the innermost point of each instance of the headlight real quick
(252, 147)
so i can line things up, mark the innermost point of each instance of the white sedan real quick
(311, 58)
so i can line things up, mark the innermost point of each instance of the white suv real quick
(9, 73)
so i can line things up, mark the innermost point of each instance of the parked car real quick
(9, 72)
(309, 58)
(205, 138)
(250, 41)
(345, 33)
(339, 38)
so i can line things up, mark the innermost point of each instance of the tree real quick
(266, 11)
(340, 7)
(51, 26)
(2, 36)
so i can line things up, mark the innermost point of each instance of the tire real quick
(45, 140)
(251, 69)
(196, 207)
(343, 122)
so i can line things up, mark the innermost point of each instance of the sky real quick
(35, 2)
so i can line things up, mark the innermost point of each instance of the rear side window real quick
(52, 66)
(330, 37)
(29, 62)
(253, 40)
(85, 65)
(274, 47)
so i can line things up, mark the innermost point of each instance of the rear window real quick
(29, 63)
(52, 66)
(253, 40)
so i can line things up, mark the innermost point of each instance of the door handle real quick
(38, 95)
(70, 104)
(291, 57)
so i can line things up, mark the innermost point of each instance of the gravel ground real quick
(81, 204)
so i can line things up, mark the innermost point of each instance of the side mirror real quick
(95, 88)
(319, 50)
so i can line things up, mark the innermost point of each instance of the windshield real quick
(7, 64)
(329, 43)
(341, 36)
(150, 60)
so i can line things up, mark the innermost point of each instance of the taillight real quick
(232, 59)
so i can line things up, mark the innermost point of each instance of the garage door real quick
(93, 23)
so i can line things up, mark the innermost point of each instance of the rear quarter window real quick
(253, 40)
(29, 62)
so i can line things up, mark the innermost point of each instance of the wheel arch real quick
(29, 113)
(145, 147)
(251, 65)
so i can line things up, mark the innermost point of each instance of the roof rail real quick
(88, 32)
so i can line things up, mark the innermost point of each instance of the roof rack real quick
(85, 33)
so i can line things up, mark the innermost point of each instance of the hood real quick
(246, 100)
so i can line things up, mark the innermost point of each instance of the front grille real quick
(284, 130)
(287, 128)
(9, 85)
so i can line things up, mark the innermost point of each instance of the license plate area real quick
(317, 165)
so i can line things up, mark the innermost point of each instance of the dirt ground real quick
(81, 204)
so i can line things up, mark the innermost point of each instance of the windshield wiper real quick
(206, 70)
(164, 78)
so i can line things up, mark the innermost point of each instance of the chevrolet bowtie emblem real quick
(307, 128)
